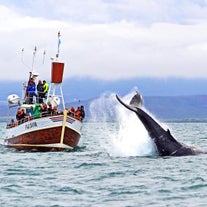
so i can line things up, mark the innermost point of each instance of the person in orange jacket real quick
(78, 113)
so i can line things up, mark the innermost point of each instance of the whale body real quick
(166, 144)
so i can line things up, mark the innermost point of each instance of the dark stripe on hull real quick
(45, 136)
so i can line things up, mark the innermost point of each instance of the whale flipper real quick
(131, 107)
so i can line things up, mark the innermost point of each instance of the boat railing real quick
(29, 117)
(37, 99)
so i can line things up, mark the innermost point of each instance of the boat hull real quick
(45, 134)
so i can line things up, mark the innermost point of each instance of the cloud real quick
(105, 39)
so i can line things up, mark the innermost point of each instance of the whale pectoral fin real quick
(130, 107)
(136, 102)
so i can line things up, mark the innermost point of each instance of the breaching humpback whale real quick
(165, 143)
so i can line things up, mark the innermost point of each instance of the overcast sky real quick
(105, 39)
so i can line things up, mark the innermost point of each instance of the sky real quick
(105, 39)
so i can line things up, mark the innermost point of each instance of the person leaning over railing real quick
(71, 112)
(37, 111)
(20, 116)
(44, 109)
(54, 110)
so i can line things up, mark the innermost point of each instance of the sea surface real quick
(115, 164)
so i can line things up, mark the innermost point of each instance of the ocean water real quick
(115, 164)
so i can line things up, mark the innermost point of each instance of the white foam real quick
(127, 137)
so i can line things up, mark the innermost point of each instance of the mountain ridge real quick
(166, 98)
(163, 107)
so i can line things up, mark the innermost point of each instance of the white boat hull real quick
(43, 134)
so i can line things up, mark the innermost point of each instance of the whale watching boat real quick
(45, 123)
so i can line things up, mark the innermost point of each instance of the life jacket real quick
(72, 109)
(45, 87)
(78, 114)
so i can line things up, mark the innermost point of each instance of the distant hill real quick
(177, 107)
(170, 98)
(173, 108)
(163, 107)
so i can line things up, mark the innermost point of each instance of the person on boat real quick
(40, 92)
(12, 124)
(78, 113)
(37, 111)
(82, 112)
(44, 109)
(30, 112)
(25, 116)
(71, 112)
(54, 110)
(49, 109)
(20, 116)
(45, 88)
(31, 91)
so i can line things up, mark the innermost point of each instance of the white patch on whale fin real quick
(136, 101)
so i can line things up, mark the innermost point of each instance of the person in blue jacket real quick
(31, 88)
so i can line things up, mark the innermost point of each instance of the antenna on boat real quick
(58, 49)
(43, 61)
(33, 59)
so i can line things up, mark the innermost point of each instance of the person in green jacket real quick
(37, 111)
(45, 88)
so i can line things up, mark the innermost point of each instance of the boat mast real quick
(56, 80)
(33, 60)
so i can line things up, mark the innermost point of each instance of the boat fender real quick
(13, 99)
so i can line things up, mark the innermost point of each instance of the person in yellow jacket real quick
(45, 88)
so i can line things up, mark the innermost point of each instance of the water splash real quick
(123, 134)
(103, 108)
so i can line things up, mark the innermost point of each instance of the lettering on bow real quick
(30, 125)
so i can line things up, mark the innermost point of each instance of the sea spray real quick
(123, 134)
(103, 108)
(132, 138)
